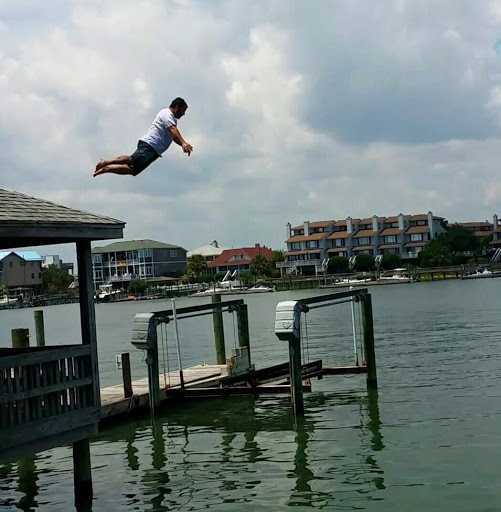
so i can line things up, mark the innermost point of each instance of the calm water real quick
(430, 440)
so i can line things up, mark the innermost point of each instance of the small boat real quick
(480, 273)
(7, 302)
(397, 275)
(260, 288)
(106, 293)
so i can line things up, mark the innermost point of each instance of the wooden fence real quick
(44, 391)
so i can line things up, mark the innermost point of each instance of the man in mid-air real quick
(157, 140)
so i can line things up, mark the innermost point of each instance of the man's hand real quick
(187, 148)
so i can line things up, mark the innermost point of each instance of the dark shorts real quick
(142, 157)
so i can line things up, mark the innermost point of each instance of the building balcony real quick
(124, 277)
(298, 263)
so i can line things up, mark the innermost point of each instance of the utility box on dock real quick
(144, 334)
(288, 320)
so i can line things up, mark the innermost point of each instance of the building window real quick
(32, 275)
(97, 258)
(148, 271)
(422, 223)
(364, 240)
(296, 246)
(11, 264)
(173, 253)
(318, 230)
(338, 242)
(312, 244)
(147, 253)
(390, 239)
(416, 237)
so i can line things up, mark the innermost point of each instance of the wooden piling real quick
(153, 370)
(39, 328)
(20, 338)
(296, 376)
(126, 374)
(243, 327)
(217, 317)
(82, 471)
(368, 334)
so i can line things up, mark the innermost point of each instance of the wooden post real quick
(217, 317)
(153, 368)
(126, 375)
(243, 328)
(296, 376)
(39, 328)
(20, 338)
(368, 333)
(82, 472)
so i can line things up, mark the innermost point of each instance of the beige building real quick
(311, 244)
(20, 269)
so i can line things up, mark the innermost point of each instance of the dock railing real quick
(44, 392)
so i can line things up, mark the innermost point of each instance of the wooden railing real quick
(44, 391)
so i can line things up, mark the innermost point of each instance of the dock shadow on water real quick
(233, 454)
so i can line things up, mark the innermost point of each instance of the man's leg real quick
(115, 169)
(118, 160)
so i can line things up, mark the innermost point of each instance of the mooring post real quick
(20, 338)
(126, 374)
(243, 327)
(39, 328)
(296, 376)
(368, 332)
(154, 371)
(82, 471)
(217, 317)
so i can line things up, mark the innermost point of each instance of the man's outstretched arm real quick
(178, 139)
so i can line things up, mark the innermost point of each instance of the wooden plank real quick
(47, 427)
(50, 388)
(344, 370)
(41, 356)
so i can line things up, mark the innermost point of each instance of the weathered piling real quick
(243, 327)
(368, 334)
(296, 375)
(126, 374)
(82, 470)
(39, 328)
(20, 338)
(217, 317)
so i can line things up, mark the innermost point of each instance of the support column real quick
(82, 470)
(217, 317)
(296, 376)
(368, 333)
(243, 328)
(39, 328)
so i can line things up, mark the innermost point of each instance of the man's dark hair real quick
(178, 102)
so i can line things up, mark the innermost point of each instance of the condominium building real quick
(496, 233)
(21, 269)
(121, 262)
(311, 244)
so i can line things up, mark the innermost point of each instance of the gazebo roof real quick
(28, 221)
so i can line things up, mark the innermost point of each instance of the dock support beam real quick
(368, 333)
(153, 369)
(243, 328)
(39, 328)
(296, 374)
(82, 471)
(219, 331)
(126, 374)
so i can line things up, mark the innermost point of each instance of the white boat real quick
(260, 288)
(480, 273)
(106, 293)
(7, 302)
(397, 275)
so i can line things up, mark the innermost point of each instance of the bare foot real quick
(100, 164)
(101, 170)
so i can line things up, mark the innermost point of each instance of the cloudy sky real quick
(297, 111)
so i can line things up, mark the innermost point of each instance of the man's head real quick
(178, 107)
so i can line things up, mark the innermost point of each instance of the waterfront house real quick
(21, 269)
(121, 262)
(311, 244)
(238, 260)
(209, 253)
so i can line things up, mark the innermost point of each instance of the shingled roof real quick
(28, 221)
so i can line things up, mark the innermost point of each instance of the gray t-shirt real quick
(159, 136)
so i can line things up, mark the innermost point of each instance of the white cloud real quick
(295, 114)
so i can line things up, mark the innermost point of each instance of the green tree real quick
(277, 257)
(55, 279)
(460, 240)
(390, 261)
(437, 254)
(196, 265)
(260, 266)
(484, 243)
(364, 263)
(338, 265)
(138, 286)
